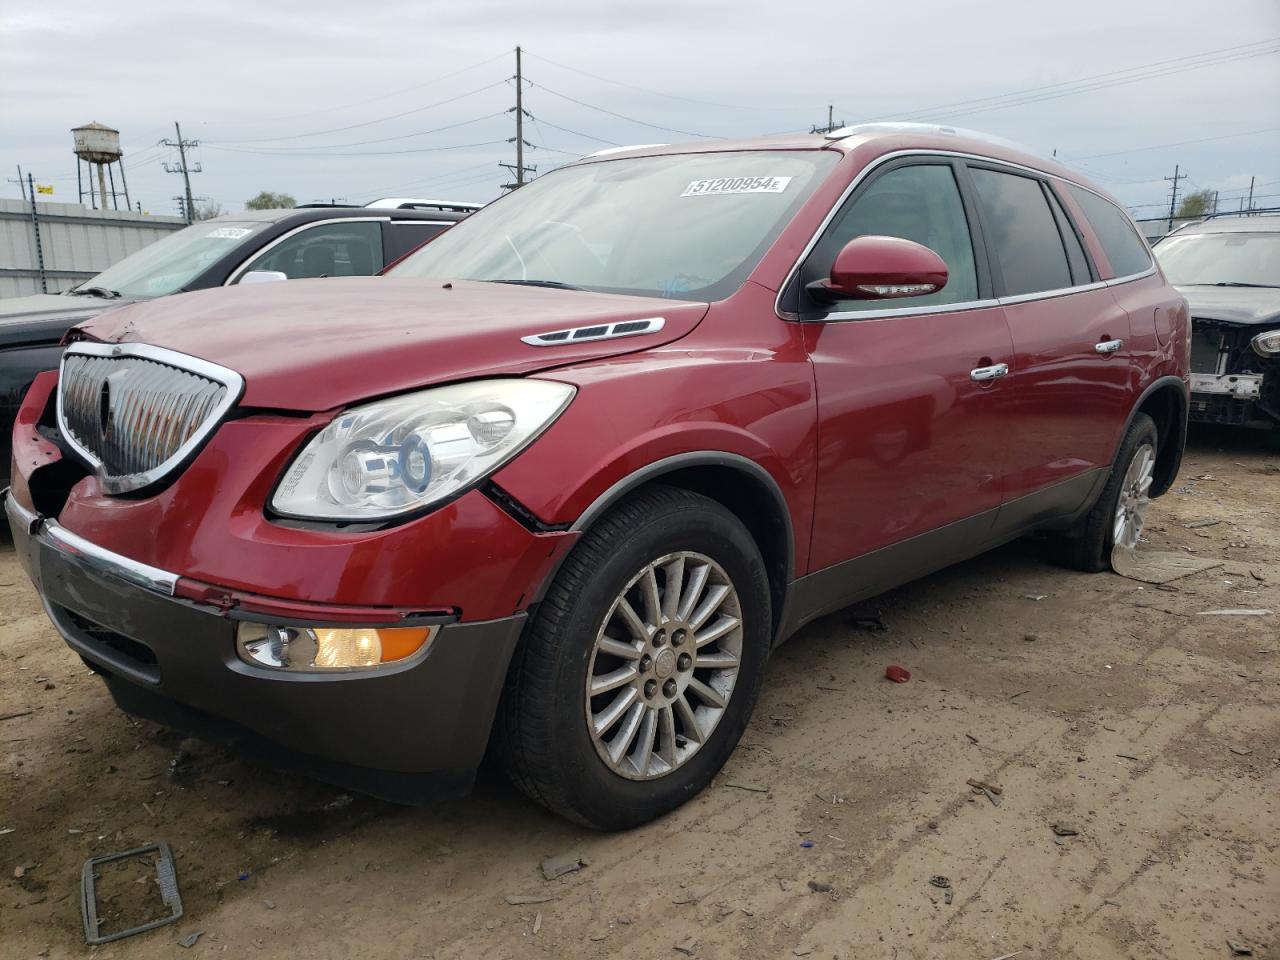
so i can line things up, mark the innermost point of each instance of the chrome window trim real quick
(57, 537)
(943, 307)
(426, 223)
(244, 264)
(233, 382)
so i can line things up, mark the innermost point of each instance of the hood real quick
(45, 317)
(1245, 305)
(314, 345)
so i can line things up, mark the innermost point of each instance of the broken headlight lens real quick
(396, 456)
(1267, 344)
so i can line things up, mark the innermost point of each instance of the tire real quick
(544, 730)
(1088, 547)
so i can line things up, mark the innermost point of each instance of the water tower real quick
(99, 146)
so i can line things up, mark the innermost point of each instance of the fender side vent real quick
(604, 331)
(518, 511)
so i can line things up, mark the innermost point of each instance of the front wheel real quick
(1117, 518)
(641, 667)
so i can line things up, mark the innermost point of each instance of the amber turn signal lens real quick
(329, 648)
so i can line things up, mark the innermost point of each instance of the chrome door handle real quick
(993, 372)
(1109, 346)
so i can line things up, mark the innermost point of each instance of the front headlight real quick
(1267, 344)
(396, 456)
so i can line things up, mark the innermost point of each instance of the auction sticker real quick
(700, 188)
(229, 233)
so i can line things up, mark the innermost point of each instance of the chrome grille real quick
(135, 412)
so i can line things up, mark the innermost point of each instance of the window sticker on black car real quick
(229, 233)
(698, 188)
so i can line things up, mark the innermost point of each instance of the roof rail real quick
(934, 128)
(416, 203)
(622, 149)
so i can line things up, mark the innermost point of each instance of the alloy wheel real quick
(1135, 498)
(664, 665)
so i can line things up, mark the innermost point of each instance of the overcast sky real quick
(286, 95)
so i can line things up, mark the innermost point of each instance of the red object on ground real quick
(897, 674)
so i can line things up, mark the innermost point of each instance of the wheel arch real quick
(740, 485)
(1166, 402)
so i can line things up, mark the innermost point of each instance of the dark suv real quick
(319, 241)
(569, 473)
(1229, 270)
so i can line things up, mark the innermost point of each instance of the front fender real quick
(19, 366)
(637, 417)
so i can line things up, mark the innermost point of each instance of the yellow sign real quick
(41, 188)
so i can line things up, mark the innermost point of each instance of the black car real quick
(1229, 271)
(314, 241)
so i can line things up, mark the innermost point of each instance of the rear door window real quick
(345, 248)
(1075, 250)
(408, 235)
(1021, 232)
(920, 202)
(1124, 246)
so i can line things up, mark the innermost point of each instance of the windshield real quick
(170, 264)
(1229, 259)
(690, 227)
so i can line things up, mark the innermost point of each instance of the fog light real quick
(328, 648)
(1267, 344)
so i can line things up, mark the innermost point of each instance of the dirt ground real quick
(1106, 706)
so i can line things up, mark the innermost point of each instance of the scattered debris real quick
(947, 896)
(16, 713)
(1112, 903)
(897, 674)
(1018, 694)
(1197, 524)
(872, 623)
(972, 738)
(807, 844)
(554, 867)
(817, 886)
(1008, 956)
(1235, 612)
(687, 947)
(166, 879)
(7, 830)
(982, 785)
(1158, 567)
(1239, 949)
(941, 882)
(190, 939)
(749, 787)
(597, 937)
(537, 921)
(1065, 830)
(519, 899)
(1126, 756)
(801, 951)
(1241, 751)
(1257, 576)
(1035, 596)
(1030, 637)
(269, 904)
(680, 899)
(21, 869)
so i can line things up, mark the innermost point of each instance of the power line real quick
(381, 96)
(367, 123)
(1177, 143)
(623, 116)
(287, 151)
(1093, 82)
(367, 153)
(577, 133)
(658, 93)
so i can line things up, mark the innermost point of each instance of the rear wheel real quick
(1117, 518)
(641, 667)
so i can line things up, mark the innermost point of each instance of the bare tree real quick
(208, 210)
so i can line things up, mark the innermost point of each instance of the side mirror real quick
(264, 276)
(881, 268)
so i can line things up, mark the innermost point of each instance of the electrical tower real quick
(518, 169)
(1173, 193)
(183, 168)
(831, 124)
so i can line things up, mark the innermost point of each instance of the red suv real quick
(563, 478)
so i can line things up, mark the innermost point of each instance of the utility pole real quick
(519, 169)
(831, 122)
(1215, 201)
(28, 190)
(1251, 179)
(182, 168)
(1173, 196)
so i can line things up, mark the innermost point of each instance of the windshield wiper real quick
(103, 292)
(540, 283)
(1237, 283)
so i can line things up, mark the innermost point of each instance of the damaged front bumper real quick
(1231, 384)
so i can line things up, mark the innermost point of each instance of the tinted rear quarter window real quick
(1021, 232)
(1127, 251)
